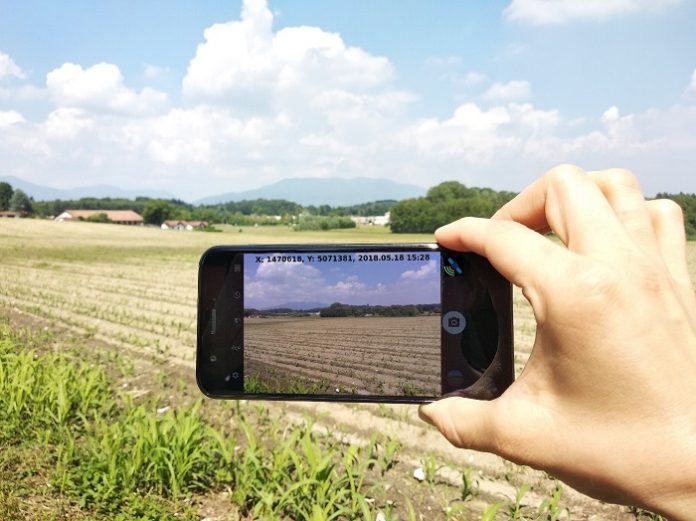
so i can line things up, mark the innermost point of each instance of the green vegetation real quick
(97, 218)
(443, 204)
(347, 310)
(320, 223)
(6, 192)
(275, 382)
(21, 202)
(116, 456)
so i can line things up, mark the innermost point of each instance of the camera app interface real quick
(343, 323)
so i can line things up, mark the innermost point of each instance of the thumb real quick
(465, 422)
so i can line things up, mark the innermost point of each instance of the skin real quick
(607, 400)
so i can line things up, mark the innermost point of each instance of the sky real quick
(273, 284)
(201, 98)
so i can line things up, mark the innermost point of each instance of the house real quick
(184, 225)
(377, 220)
(115, 216)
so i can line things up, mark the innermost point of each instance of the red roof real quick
(113, 215)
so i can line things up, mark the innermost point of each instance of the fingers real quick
(622, 191)
(566, 201)
(518, 253)
(668, 224)
(466, 423)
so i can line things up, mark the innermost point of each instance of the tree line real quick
(338, 309)
(442, 204)
(239, 213)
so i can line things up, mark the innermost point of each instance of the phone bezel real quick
(502, 365)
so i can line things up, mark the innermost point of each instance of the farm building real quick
(184, 225)
(115, 216)
(377, 220)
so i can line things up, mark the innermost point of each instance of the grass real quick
(113, 456)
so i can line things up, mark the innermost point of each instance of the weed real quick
(430, 468)
(469, 485)
(550, 509)
(515, 509)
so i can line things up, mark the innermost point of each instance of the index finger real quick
(518, 253)
(569, 203)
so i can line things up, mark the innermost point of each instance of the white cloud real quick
(10, 117)
(553, 12)
(246, 57)
(476, 135)
(511, 91)
(279, 283)
(100, 87)
(425, 272)
(66, 123)
(9, 69)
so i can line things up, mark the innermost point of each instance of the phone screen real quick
(393, 322)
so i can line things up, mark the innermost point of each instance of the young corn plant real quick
(550, 509)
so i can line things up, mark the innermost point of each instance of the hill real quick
(48, 193)
(334, 192)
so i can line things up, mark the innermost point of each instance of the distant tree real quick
(158, 211)
(413, 216)
(98, 218)
(445, 203)
(20, 202)
(5, 195)
(447, 191)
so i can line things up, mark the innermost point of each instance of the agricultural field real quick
(396, 356)
(100, 417)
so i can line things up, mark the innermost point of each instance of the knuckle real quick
(561, 174)
(620, 178)
(667, 209)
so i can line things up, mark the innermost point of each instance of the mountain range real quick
(334, 192)
(48, 193)
(302, 190)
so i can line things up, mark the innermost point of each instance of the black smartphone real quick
(366, 323)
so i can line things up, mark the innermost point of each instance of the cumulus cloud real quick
(66, 123)
(9, 69)
(511, 91)
(247, 56)
(477, 135)
(100, 87)
(554, 12)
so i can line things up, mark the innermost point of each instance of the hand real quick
(607, 400)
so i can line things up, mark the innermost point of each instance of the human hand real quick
(607, 400)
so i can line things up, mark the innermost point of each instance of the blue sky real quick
(156, 95)
(376, 283)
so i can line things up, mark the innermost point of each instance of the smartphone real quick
(358, 323)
